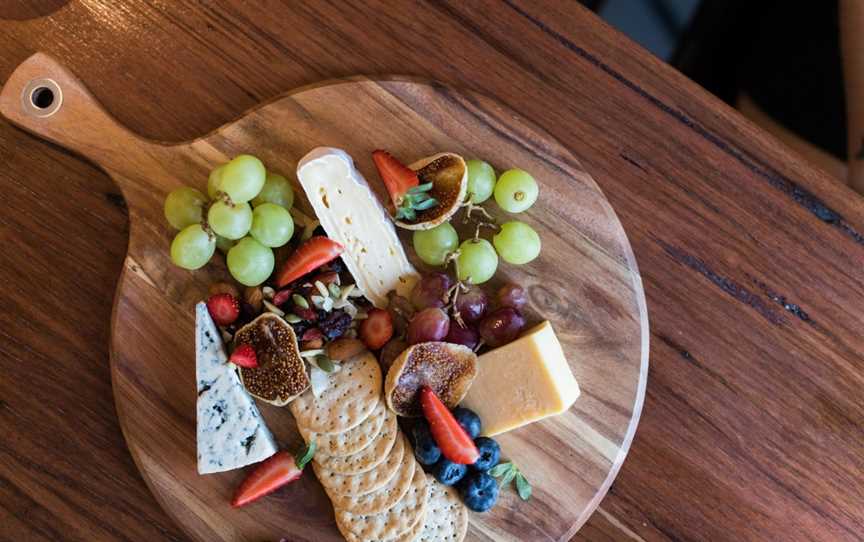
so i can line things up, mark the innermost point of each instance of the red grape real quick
(431, 290)
(462, 335)
(512, 295)
(430, 324)
(501, 326)
(472, 304)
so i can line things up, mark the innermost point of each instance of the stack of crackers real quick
(367, 467)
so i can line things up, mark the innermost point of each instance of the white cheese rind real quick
(351, 214)
(231, 432)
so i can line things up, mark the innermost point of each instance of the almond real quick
(223, 288)
(314, 344)
(344, 348)
(254, 296)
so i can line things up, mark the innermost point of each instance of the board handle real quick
(41, 96)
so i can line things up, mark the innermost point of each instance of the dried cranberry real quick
(311, 334)
(306, 314)
(282, 297)
(300, 328)
(335, 324)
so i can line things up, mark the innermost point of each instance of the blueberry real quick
(425, 449)
(448, 472)
(490, 453)
(479, 491)
(468, 420)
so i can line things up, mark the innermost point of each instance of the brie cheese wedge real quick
(231, 432)
(351, 214)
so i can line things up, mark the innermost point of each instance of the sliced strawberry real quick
(397, 177)
(377, 329)
(309, 256)
(280, 469)
(282, 296)
(223, 308)
(244, 356)
(454, 441)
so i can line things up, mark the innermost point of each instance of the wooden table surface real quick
(753, 424)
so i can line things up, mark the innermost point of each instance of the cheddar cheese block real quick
(522, 382)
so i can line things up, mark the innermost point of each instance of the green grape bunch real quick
(245, 214)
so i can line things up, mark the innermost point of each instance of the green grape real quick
(230, 221)
(433, 246)
(516, 191)
(517, 242)
(192, 247)
(481, 180)
(184, 207)
(272, 225)
(250, 262)
(243, 178)
(477, 261)
(214, 182)
(224, 244)
(276, 190)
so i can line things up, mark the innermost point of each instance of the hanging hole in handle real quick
(42, 97)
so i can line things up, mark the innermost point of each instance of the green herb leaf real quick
(325, 364)
(307, 456)
(523, 487)
(500, 469)
(507, 478)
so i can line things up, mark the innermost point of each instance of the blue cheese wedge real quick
(351, 214)
(231, 432)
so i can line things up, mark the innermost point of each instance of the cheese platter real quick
(341, 278)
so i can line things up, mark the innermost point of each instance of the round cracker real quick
(353, 440)
(446, 517)
(397, 520)
(383, 498)
(411, 535)
(352, 395)
(365, 482)
(367, 458)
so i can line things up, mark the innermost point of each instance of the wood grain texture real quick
(751, 260)
(585, 282)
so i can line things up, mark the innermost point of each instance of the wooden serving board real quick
(585, 281)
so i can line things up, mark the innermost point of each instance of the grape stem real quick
(454, 290)
(225, 198)
(204, 224)
(481, 224)
(475, 207)
(480, 344)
